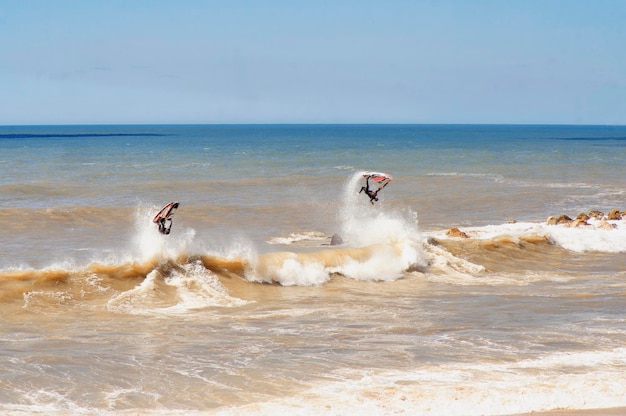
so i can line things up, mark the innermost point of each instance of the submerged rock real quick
(561, 219)
(582, 216)
(579, 222)
(596, 214)
(455, 232)
(603, 225)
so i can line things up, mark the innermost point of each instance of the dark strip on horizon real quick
(72, 135)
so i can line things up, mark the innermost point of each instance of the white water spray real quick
(152, 244)
(363, 223)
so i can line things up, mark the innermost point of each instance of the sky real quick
(300, 61)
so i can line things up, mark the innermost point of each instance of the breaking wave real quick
(176, 273)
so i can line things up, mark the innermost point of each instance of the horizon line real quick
(313, 124)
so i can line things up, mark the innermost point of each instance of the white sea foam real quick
(385, 263)
(33, 299)
(578, 239)
(449, 265)
(120, 395)
(590, 238)
(198, 288)
(372, 263)
(295, 272)
(43, 401)
(583, 380)
(194, 288)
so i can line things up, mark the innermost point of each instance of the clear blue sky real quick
(299, 61)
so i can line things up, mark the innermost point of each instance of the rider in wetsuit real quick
(369, 192)
(164, 218)
(165, 225)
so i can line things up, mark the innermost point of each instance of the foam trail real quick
(172, 290)
(139, 299)
(198, 288)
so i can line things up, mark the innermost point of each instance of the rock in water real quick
(596, 214)
(455, 232)
(615, 214)
(561, 219)
(336, 240)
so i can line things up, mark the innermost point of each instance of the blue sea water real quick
(246, 309)
(129, 162)
(259, 165)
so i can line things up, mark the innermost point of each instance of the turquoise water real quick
(246, 309)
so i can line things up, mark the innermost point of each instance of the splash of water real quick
(382, 244)
(363, 223)
(151, 244)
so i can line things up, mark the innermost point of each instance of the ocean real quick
(246, 308)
